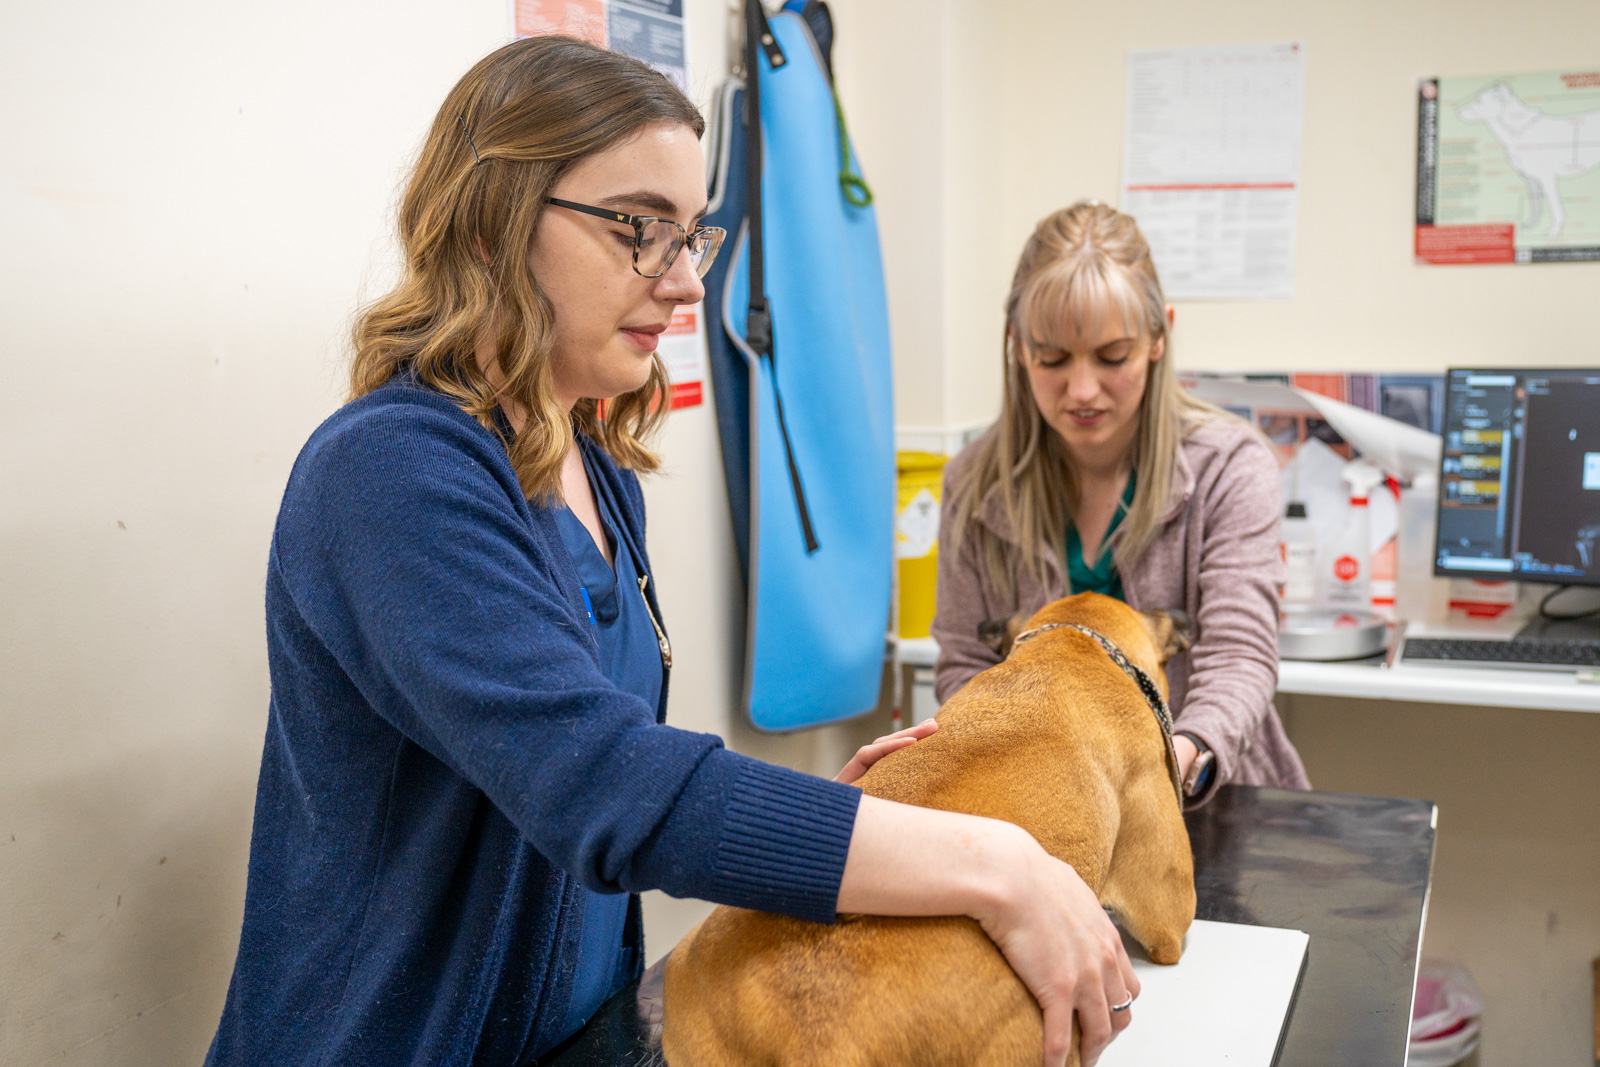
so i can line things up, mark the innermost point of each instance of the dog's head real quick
(1170, 630)
(998, 634)
(1489, 104)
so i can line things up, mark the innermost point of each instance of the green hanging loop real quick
(855, 187)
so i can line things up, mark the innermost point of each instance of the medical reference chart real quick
(1508, 168)
(1211, 166)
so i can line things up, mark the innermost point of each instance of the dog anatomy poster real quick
(1508, 168)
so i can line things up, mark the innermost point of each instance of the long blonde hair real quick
(508, 131)
(1081, 264)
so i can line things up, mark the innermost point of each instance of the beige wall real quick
(1360, 303)
(975, 120)
(920, 83)
(192, 197)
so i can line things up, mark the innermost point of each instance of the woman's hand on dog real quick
(870, 754)
(1060, 942)
(910, 860)
(1186, 751)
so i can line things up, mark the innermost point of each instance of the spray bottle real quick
(1347, 566)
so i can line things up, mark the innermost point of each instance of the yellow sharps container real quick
(916, 537)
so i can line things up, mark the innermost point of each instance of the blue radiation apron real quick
(808, 430)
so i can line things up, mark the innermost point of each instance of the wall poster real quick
(1508, 168)
(651, 30)
(1211, 166)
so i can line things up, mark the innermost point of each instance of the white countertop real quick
(918, 651)
(1483, 687)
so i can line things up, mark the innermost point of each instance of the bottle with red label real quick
(1347, 574)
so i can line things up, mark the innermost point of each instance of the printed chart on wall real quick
(1508, 168)
(651, 30)
(1211, 166)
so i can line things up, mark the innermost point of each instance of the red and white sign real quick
(1467, 244)
(584, 19)
(1482, 600)
(682, 351)
(1345, 568)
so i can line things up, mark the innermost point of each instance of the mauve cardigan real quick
(446, 767)
(1215, 556)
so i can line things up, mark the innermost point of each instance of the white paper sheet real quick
(1211, 166)
(1222, 1005)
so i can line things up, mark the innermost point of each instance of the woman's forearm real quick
(906, 860)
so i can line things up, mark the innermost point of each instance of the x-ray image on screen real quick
(1520, 476)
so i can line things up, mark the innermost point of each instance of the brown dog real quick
(1057, 739)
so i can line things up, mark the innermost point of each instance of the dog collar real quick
(1141, 678)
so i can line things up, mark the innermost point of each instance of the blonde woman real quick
(1103, 475)
(467, 774)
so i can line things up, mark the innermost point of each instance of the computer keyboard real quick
(1524, 652)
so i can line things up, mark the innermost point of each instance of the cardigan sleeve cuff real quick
(1201, 727)
(784, 839)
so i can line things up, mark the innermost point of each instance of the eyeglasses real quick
(657, 241)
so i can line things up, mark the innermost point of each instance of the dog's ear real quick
(998, 634)
(992, 632)
(1171, 631)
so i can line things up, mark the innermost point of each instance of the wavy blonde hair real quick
(1081, 265)
(508, 131)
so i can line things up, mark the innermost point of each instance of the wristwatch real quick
(1201, 770)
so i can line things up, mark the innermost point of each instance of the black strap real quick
(1147, 687)
(758, 316)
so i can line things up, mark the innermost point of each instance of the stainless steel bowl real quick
(1327, 634)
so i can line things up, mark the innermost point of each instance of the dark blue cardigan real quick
(446, 765)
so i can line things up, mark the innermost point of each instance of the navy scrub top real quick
(631, 658)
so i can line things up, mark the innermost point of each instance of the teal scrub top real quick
(1103, 576)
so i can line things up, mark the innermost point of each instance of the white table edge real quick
(1477, 686)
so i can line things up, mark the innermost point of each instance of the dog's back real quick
(1053, 739)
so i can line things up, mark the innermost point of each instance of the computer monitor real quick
(1519, 479)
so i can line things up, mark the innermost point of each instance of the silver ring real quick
(1125, 1005)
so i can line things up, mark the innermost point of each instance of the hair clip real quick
(476, 159)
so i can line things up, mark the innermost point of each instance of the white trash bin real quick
(1446, 1016)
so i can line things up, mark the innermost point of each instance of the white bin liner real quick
(1446, 1017)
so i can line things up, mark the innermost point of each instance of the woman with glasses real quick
(467, 776)
(1103, 475)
